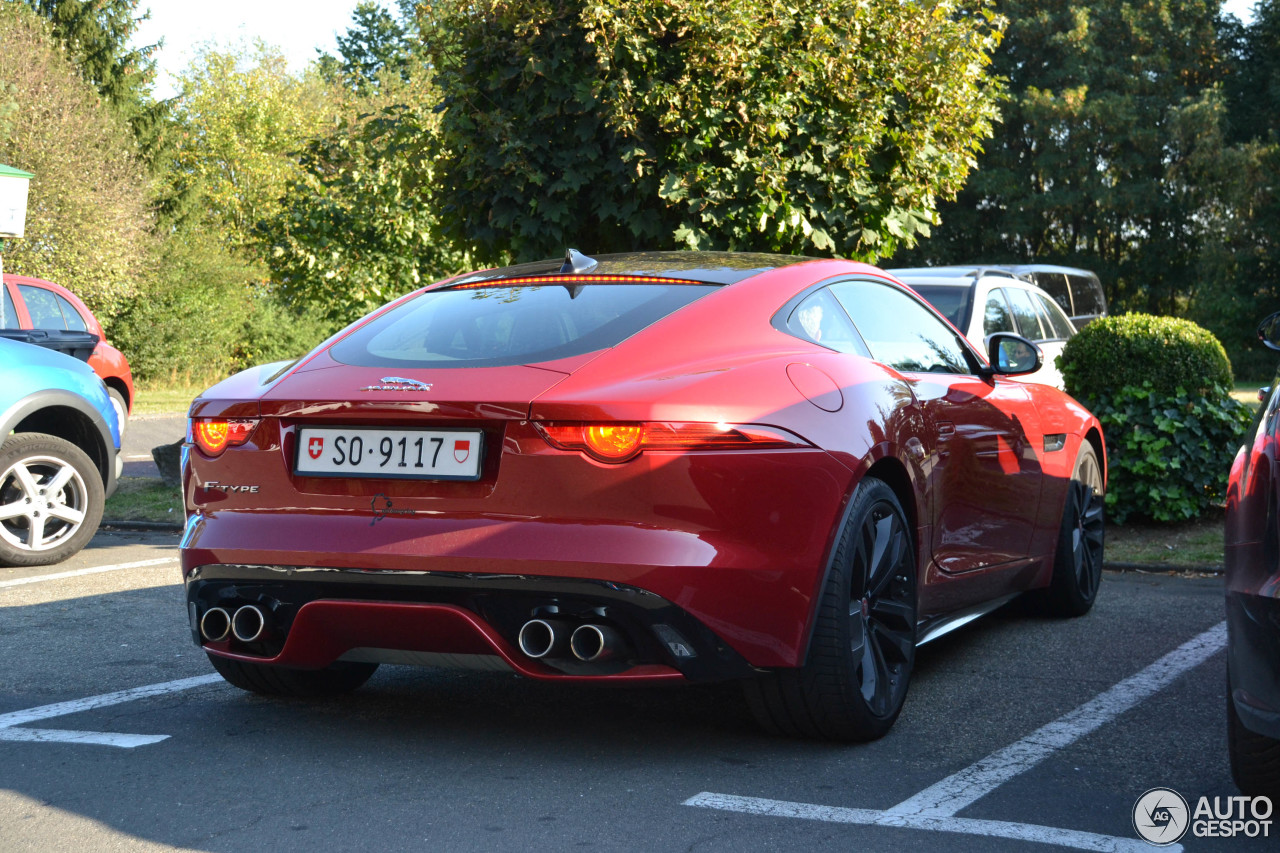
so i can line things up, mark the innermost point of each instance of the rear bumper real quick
(317, 616)
(1253, 660)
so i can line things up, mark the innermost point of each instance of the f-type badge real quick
(398, 383)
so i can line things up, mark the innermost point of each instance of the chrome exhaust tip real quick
(540, 638)
(595, 643)
(248, 624)
(215, 624)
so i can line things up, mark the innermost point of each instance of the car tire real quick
(340, 677)
(854, 680)
(122, 409)
(1077, 562)
(38, 525)
(1255, 758)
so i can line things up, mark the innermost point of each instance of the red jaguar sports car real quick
(638, 468)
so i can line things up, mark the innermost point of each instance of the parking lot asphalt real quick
(1020, 732)
(144, 433)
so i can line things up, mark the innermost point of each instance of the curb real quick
(124, 524)
(1158, 569)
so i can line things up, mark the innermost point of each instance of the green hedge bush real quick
(204, 316)
(1131, 349)
(1161, 388)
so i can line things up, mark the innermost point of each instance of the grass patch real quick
(165, 400)
(1191, 544)
(1247, 393)
(144, 499)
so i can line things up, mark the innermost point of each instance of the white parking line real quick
(8, 721)
(965, 826)
(119, 739)
(90, 571)
(976, 781)
(935, 807)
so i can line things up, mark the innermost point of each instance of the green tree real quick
(376, 44)
(360, 226)
(1241, 268)
(87, 217)
(97, 36)
(239, 123)
(817, 126)
(1105, 154)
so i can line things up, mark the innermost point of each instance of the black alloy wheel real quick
(882, 620)
(854, 681)
(1077, 568)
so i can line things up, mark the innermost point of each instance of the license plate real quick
(426, 454)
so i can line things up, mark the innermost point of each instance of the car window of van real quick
(1087, 295)
(1024, 313)
(997, 317)
(1052, 316)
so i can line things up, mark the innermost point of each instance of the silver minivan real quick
(1078, 291)
(980, 301)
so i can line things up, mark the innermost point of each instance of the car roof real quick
(704, 267)
(956, 272)
(1029, 268)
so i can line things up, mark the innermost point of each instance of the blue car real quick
(59, 454)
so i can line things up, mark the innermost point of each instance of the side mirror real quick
(1012, 355)
(1269, 332)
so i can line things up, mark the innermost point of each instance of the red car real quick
(33, 303)
(642, 468)
(1252, 577)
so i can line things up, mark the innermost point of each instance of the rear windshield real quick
(953, 302)
(525, 324)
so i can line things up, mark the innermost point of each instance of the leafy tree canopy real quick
(359, 226)
(87, 216)
(240, 120)
(816, 126)
(377, 43)
(97, 35)
(1107, 149)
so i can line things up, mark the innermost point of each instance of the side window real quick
(1055, 284)
(1088, 296)
(996, 317)
(819, 318)
(69, 313)
(900, 331)
(43, 308)
(1024, 314)
(1052, 315)
(9, 319)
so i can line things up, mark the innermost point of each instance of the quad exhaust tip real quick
(595, 643)
(540, 638)
(215, 624)
(249, 624)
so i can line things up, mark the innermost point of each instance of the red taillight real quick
(618, 442)
(214, 435)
